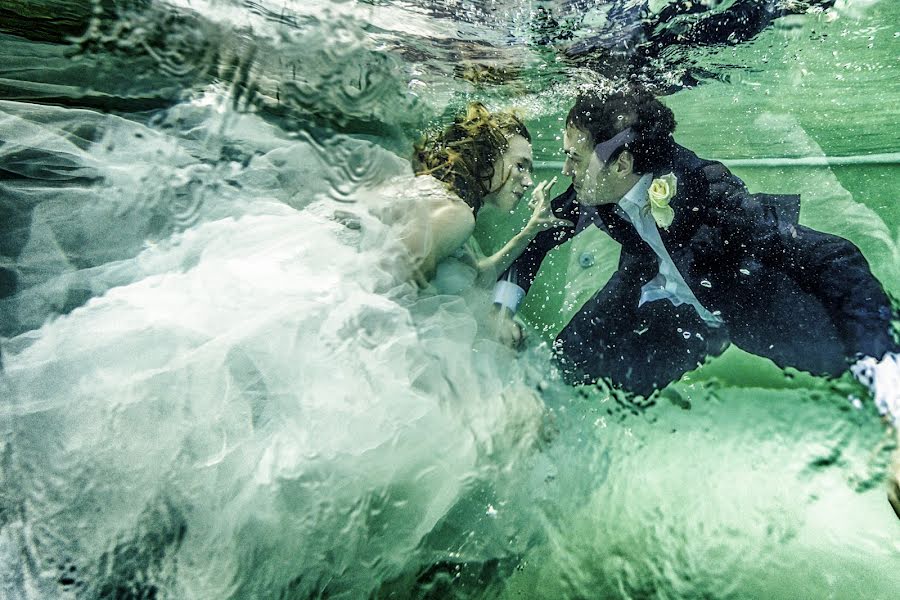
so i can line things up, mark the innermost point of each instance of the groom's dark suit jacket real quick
(801, 297)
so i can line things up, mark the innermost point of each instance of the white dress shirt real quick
(668, 284)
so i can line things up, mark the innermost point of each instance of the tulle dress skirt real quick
(256, 401)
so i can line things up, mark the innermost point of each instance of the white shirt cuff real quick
(508, 295)
(882, 377)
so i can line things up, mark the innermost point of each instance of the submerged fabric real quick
(237, 390)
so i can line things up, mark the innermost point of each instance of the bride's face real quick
(512, 175)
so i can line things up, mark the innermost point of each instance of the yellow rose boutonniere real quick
(661, 191)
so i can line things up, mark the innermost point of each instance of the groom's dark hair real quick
(604, 115)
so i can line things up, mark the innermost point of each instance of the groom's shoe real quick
(882, 377)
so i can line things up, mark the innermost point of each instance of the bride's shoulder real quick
(419, 187)
(415, 196)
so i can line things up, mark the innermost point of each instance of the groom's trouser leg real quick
(811, 303)
(778, 320)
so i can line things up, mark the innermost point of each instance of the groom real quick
(703, 262)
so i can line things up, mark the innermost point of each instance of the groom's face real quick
(591, 179)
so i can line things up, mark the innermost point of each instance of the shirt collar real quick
(637, 195)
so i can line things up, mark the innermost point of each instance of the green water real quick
(826, 90)
(741, 480)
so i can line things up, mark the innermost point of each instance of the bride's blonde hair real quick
(465, 153)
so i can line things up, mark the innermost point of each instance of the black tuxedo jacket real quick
(746, 256)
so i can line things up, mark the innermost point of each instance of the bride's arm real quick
(490, 267)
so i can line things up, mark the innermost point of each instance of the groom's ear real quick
(624, 164)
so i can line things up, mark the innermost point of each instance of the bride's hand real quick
(542, 216)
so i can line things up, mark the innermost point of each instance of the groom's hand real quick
(504, 328)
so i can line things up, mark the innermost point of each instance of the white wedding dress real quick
(236, 390)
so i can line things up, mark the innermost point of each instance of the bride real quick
(486, 160)
(198, 414)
